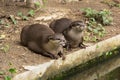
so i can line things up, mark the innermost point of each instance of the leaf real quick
(7, 25)
(89, 28)
(97, 46)
(7, 77)
(13, 19)
(12, 70)
(25, 18)
(1, 72)
(107, 53)
(31, 12)
(101, 34)
(86, 38)
(37, 4)
(20, 14)
(110, 53)
(5, 48)
(95, 31)
(94, 38)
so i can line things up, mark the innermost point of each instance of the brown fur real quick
(73, 31)
(58, 26)
(41, 39)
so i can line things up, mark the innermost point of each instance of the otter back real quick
(60, 25)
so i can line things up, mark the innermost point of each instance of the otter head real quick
(78, 26)
(57, 39)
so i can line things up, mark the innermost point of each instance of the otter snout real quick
(63, 42)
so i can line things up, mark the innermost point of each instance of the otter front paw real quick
(54, 57)
(82, 45)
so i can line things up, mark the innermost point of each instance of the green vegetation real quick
(13, 19)
(96, 20)
(103, 17)
(5, 48)
(1, 72)
(12, 70)
(4, 23)
(31, 13)
(95, 30)
(108, 53)
(7, 25)
(20, 14)
(37, 5)
(7, 78)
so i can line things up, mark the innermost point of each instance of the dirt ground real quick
(17, 56)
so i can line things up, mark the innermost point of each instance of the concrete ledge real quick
(50, 69)
(99, 71)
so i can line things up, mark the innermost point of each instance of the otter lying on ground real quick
(41, 39)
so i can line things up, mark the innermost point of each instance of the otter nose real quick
(63, 42)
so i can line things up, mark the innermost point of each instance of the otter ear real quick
(73, 24)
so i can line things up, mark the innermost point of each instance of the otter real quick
(72, 31)
(41, 39)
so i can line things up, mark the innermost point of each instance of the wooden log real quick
(72, 60)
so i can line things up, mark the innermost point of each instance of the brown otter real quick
(72, 30)
(41, 39)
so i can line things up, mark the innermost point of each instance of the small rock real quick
(18, 18)
(2, 37)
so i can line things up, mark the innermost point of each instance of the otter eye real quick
(57, 39)
(50, 37)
